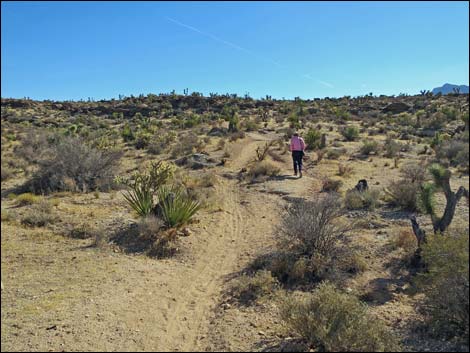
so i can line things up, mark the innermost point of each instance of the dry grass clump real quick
(39, 215)
(344, 170)
(263, 168)
(248, 289)
(330, 185)
(367, 199)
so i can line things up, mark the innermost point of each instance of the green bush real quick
(127, 133)
(391, 147)
(368, 147)
(336, 322)
(313, 139)
(175, 207)
(446, 284)
(350, 133)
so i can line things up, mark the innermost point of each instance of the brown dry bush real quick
(330, 185)
(75, 166)
(311, 227)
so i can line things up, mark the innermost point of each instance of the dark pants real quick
(297, 158)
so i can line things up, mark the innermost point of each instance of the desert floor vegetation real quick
(177, 221)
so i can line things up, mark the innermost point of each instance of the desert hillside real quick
(175, 223)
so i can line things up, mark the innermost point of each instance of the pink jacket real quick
(297, 143)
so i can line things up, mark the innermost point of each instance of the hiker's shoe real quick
(295, 174)
(300, 175)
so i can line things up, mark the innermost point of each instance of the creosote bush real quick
(336, 322)
(368, 147)
(350, 133)
(367, 199)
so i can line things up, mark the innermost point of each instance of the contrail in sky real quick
(235, 46)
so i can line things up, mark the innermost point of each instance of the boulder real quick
(197, 161)
(218, 131)
(396, 108)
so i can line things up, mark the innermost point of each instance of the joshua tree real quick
(441, 178)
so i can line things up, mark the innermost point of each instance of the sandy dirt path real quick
(60, 296)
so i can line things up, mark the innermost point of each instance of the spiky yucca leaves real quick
(144, 185)
(439, 174)
(426, 198)
(175, 207)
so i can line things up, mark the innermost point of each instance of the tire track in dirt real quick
(189, 320)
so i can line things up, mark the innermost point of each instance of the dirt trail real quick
(99, 301)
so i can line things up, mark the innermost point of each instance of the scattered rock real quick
(187, 232)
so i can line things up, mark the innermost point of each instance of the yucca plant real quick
(175, 207)
(144, 185)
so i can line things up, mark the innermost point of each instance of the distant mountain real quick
(449, 88)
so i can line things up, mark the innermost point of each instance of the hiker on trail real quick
(297, 147)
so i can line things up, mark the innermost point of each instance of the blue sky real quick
(73, 50)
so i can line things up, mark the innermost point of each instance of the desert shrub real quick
(263, 168)
(368, 147)
(446, 284)
(331, 185)
(335, 153)
(175, 207)
(39, 215)
(367, 199)
(437, 121)
(142, 141)
(27, 199)
(143, 185)
(127, 133)
(404, 239)
(186, 145)
(413, 172)
(352, 262)
(313, 139)
(336, 322)
(350, 133)
(403, 194)
(34, 145)
(248, 289)
(344, 169)
(75, 166)
(250, 125)
(455, 151)
(391, 147)
(312, 227)
(450, 113)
